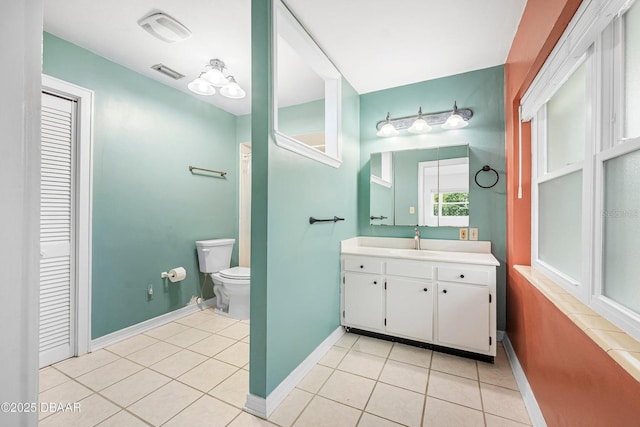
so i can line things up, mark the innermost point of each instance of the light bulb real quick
(387, 130)
(455, 120)
(201, 86)
(232, 90)
(419, 125)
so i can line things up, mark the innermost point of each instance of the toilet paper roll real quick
(177, 274)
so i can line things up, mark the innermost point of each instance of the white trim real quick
(286, 25)
(380, 181)
(122, 334)
(591, 18)
(566, 170)
(83, 174)
(530, 402)
(263, 408)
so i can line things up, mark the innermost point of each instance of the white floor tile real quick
(234, 389)
(439, 413)
(188, 337)
(92, 410)
(333, 357)
(495, 421)
(109, 374)
(216, 324)
(373, 346)
(68, 392)
(396, 404)
(349, 389)
(165, 331)
(131, 345)
(404, 375)
(50, 377)
(369, 420)
(410, 354)
(178, 363)
(313, 381)
(248, 420)
(504, 403)
(454, 365)
(290, 408)
(164, 403)
(123, 419)
(208, 374)
(212, 345)
(237, 331)
(135, 387)
(237, 354)
(76, 366)
(347, 340)
(323, 412)
(154, 353)
(366, 365)
(204, 412)
(452, 388)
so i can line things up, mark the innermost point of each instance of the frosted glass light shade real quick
(215, 77)
(419, 126)
(201, 86)
(455, 121)
(232, 90)
(387, 130)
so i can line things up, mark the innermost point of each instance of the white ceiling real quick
(376, 44)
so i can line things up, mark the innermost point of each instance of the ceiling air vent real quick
(161, 68)
(164, 27)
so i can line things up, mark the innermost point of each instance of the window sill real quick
(620, 346)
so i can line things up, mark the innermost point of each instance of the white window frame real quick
(594, 36)
(449, 221)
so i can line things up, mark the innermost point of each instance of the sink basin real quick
(412, 252)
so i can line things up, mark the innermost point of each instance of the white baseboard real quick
(530, 402)
(122, 334)
(261, 407)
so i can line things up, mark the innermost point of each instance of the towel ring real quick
(487, 168)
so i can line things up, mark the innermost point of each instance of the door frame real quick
(83, 175)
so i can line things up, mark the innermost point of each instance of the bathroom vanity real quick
(442, 294)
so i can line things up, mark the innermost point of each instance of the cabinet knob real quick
(462, 276)
(425, 289)
(362, 266)
(375, 283)
(444, 291)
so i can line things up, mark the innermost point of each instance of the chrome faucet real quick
(416, 240)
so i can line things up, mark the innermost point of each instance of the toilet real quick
(230, 285)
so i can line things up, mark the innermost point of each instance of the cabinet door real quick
(363, 301)
(463, 316)
(410, 308)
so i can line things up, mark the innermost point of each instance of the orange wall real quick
(574, 381)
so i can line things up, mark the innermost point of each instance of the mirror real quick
(426, 187)
(307, 92)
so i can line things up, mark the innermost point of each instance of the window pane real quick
(560, 224)
(566, 122)
(621, 216)
(632, 71)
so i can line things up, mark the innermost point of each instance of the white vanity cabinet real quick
(449, 304)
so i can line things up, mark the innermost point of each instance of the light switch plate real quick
(412, 209)
(473, 234)
(464, 233)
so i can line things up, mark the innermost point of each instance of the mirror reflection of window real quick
(444, 193)
(300, 98)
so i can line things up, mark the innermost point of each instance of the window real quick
(451, 208)
(584, 105)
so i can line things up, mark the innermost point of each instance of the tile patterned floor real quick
(195, 372)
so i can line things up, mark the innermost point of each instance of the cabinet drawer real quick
(463, 275)
(363, 265)
(417, 269)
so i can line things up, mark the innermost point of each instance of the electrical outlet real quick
(412, 209)
(473, 234)
(464, 233)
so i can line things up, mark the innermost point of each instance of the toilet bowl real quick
(231, 286)
(232, 289)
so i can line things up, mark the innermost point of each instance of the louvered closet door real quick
(56, 230)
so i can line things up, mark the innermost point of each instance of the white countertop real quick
(467, 252)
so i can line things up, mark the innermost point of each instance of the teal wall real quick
(302, 266)
(302, 118)
(148, 209)
(483, 92)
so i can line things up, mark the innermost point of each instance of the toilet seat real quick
(238, 273)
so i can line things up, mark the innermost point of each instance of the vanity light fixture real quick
(456, 119)
(419, 125)
(213, 78)
(387, 129)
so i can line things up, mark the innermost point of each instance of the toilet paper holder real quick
(175, 274)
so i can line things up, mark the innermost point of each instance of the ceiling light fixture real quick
(206, 83)
(419, 125)
(456, 119)
(164, 27)
(387, 129)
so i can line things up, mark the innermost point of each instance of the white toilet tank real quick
(214, 255)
